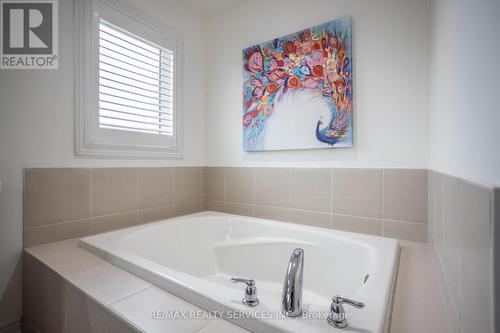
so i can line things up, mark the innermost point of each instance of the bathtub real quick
(195, 256)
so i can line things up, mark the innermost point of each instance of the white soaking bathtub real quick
(195, 256)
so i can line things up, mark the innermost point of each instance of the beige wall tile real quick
(418, 283)
(222, 326)
(311, 218)
(113, 222)
(215, 205)
(83, 314)
(239, 185)
(416, 232)
(189, 207)
(109, 284)
(155, 187)
(53, 307)
(238, 208)
(187, 184)
(357, 192)
(29, 327)
(117, 325)
(407, 317)
(272, 187)
(415, 254)
(75, 261)
(272, 213)
(52, 249)
(203, 175)
(475, 280)
(114, 190)
(56, 195)
(405, 195)
(33, 300)
(56, 232)
(44, 296)
(311, 189)
(358, 224)
(215, 183)
(155, 214)
(137, 308)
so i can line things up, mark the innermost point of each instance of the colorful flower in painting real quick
(317, 59)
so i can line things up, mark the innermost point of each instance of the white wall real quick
(391, 73)
(464, 95)
(36, 128)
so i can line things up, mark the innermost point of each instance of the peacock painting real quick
(297, 90)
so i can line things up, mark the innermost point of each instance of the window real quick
(135, 83)
(128, 73)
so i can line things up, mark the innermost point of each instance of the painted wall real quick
(464, 95)
(36, 129)
(391, 73)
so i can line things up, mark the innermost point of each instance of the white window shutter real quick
(136, 81)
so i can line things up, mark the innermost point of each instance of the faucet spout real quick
(291, 304)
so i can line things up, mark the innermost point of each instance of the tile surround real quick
(114, 190)
(156, 187)
(461, 223)
(310, 189)
(364, 225)
(321, 196)
(65, 203)
(187, 184)
(357, 192)
(405, 195)
(239, 185)
(272, 187)
(96, 303)
(62, 203)
(460, 216)
(214, 183)
(56, 195)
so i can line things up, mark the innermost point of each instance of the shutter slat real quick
(122, 38)
(130, 120)
(131, 99)
(114, 57)
(136, 74)
(130, 78)
(138, 94)
(136, 87)
(138, 108)
(161, 118)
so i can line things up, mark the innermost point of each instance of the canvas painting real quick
(297, 90)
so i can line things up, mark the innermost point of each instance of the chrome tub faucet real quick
(291, 302)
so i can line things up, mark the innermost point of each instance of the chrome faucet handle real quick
(337, 317)
(250, 298)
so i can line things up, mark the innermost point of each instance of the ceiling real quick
(209, 7)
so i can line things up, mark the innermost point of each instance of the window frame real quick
(90, 139)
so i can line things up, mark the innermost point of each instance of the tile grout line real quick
(332, 174)
(137, 205)
(133, 293)
(224, 189)
(289, 193)
(173, 190)
(91, 200)
(382, 202)
(254, 171)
